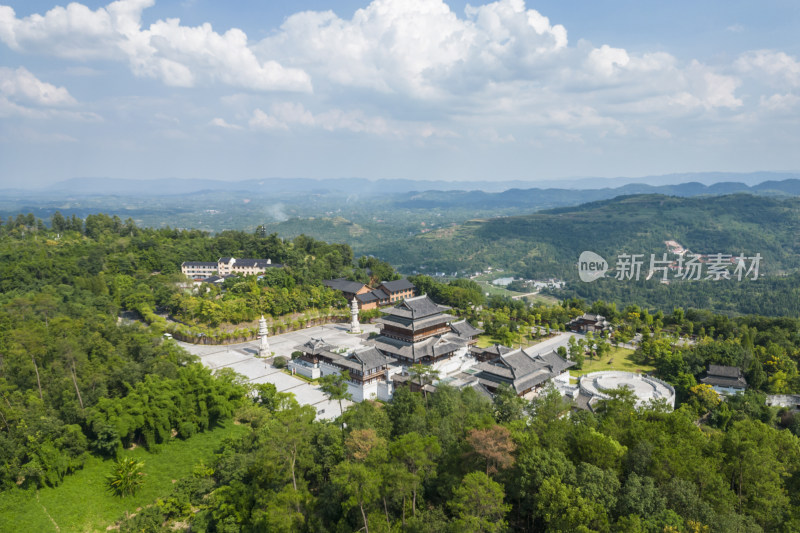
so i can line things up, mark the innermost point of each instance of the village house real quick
(398, 290)
(225, 266)
(386, 293)
(199, 269)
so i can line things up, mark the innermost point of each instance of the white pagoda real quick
(354, 326)
(263, 350)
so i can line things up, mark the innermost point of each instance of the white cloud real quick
(735, 28)
(286, 114)
(29, 135)
(605, 59)
(261, 121)
(779, 102)
(221, 123)
(22, 85)
(711, 89)
(417, 47)
(779, 66)
(178, 55)
(655, 132)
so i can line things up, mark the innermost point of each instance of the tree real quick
(417, 454)
(562, 508)
(424, 374)
(126, 477)
(359, 485)
(508, 407)
(334, 386)
(494, 445)
(478, 504)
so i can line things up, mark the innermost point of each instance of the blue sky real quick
(396, 89)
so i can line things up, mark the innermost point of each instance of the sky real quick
(419, 89)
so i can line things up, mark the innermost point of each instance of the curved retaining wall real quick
(660, 389)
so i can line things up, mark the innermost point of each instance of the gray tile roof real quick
(367, 297)
(201, 264)
(417, 307)
(430, 347)
(315, 346)
(725, 376)
(376, 295)
(369, 357)
(496, 350)
(462, 328)
(724, 371)
(415, 324)
(341, 284)
(522, 370)
(398, 285)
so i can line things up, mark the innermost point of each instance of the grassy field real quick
(617, 359)
(81, 503)
(544, 299)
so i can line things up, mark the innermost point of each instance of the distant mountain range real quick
(548, 243)
(717, 183)
(548, 198)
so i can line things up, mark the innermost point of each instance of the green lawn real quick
(81, 502)
(484, 341)
(617, 359)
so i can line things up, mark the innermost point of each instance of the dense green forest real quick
(77, 381)
(549, 243)
(74, 380)
(458, 462)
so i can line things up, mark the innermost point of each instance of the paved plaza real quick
(645, 388)
(242, 359)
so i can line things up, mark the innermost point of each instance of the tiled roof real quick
(724, 371)
(718, 381)
(343, 285)
(725, 376)
(367, 297)
(201, 264)
(372, 296)
(314, 346)
(398, 285)
(462, 328)
(369, 357)
(523, 370)
(415, 324)
(417, 307)
(496, 349)
(430, 347)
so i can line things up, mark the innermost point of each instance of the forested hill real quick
(549, 243)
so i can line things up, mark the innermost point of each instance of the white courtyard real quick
(242, 359)
(645, 388)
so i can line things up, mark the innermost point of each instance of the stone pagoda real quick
(354, 325)
(263, 349)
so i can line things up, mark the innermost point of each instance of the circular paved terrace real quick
(644, 387)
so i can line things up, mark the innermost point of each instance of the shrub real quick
(280, 362)
(126, 477)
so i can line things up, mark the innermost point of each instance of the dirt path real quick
(45, 512)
